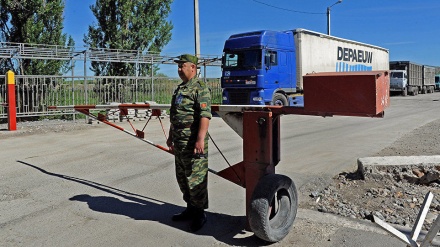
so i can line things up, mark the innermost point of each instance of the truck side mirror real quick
(267, 58)
(272, 58)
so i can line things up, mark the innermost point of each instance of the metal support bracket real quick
(411, 239)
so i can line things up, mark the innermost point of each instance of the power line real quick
(290, 10)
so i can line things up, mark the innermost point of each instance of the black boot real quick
(186, 214)
(199, 220)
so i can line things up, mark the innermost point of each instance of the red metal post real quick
(258, 152)
(10, 100)
(261, 152)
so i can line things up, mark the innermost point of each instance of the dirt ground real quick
(391, 198)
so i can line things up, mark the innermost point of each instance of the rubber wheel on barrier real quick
(273, 209)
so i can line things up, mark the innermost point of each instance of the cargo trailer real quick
(405, 77)
(267, 67)
(428, 79)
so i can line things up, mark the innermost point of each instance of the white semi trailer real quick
(267, 67)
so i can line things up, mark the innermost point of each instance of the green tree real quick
(139, 26)
(34, 22)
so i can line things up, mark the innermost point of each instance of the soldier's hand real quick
(170, 144)
(199, 147)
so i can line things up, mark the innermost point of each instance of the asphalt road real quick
(101, 187)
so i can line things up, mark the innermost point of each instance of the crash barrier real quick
(35, 93)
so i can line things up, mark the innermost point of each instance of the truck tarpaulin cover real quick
(347, 93)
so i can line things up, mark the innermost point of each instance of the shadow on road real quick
(223, 227)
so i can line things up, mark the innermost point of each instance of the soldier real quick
(189, 116)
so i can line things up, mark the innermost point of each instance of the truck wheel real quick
(404, 92)
(279, 99)
(273, 209)
(423, 90)
(413, 92)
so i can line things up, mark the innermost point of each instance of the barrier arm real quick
(85, 109)
(363, 94)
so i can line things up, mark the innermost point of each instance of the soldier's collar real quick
(189, 82)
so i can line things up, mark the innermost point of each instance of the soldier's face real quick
(186, 71)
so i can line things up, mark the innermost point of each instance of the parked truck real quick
(428, 79)
(267, 67)
(407, 77)
(437, 82)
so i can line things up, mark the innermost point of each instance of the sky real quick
(409, 29)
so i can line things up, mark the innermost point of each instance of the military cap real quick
(187, 58)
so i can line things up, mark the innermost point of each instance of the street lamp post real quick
(328, 16)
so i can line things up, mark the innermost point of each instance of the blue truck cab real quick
(258, 68)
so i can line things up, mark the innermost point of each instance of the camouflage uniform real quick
(191, 101)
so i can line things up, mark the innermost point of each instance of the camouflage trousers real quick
(192, 175)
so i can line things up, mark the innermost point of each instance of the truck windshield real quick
(250, 59)
(396, 75)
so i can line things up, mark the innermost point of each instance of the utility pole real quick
(196, 28)
(197, 31)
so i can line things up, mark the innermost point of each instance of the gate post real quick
(10, 100)
(258, 151)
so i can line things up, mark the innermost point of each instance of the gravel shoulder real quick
(394, 198)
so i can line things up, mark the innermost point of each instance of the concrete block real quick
(377, 167)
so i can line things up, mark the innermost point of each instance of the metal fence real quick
(34, 94)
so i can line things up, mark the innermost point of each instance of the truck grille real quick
(239, 98)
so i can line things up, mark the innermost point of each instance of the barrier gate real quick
(271, 199)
